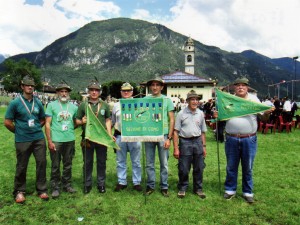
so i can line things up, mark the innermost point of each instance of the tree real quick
(15, 71)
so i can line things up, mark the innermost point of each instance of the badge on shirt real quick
(31, 122)
(65, 127)
(102, 112)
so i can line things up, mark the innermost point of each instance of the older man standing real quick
(25, 117)
(156, 86)
(102, 112)
(190, 130)
(134, 148)
(241, 145)
(59, 128)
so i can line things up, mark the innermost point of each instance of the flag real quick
(230, 106)
(95, 132)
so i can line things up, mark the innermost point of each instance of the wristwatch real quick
(170, 138)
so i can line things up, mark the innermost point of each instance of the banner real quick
(142, 119)
(95, 132)
(230, 106)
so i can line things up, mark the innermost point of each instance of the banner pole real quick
(144, 170)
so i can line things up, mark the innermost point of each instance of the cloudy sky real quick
(269, 27)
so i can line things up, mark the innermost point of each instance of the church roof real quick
(182, 77)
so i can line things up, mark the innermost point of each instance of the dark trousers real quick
(23, 152)
(64, 153)
(191, 153)
(88, 160)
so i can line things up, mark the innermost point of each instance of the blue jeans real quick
(244, 150)
(134, 149)
(163, 155)
(191, 153)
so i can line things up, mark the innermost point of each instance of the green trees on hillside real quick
(15, 71)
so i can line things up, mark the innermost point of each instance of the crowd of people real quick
(25, 117)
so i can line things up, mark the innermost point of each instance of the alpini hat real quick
(192, 94)
(241, 80)
(94, 84)
(28, 80)
(126, 87)
(158, 79)
(63, 85)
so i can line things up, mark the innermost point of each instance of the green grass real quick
(276, 177)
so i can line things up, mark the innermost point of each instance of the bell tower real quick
(189, 54)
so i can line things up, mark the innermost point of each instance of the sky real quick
(269, 27)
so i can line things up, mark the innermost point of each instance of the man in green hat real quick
(102, 112)
(25, 117)
(59, 128)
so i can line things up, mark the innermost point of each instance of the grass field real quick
(276, 179)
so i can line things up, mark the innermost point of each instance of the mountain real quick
(136, 50)
(2, 58)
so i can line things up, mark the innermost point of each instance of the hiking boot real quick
(20, 197)
(165, 192)
(200, 194)
(70, 190)
(101, 189)
(44, 196)
(228, 196)
(87, 189)
(249, 199)
(120, 187)
(55, 194)
(181, 194)
(138, 188)
(149, 191)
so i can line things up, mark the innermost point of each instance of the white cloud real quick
(268, 27)
(141, 14)
(25, 28)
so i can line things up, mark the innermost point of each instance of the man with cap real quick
(134, 148)
(241, 145)
(25, 117)
(59, 129)
(190, 145)
(102, 112)
(156, 86)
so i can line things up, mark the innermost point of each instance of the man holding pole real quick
(134, 148)
(101, 110)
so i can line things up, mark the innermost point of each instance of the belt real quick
(189, 138)
(117, 132)
(241, 135)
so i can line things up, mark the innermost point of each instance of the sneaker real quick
(248, 199)
(165, 192)
(138, 188)
(20, 197)
(55, 194)
(228, 196)
(200, 194)
(120, 187)
(149, 191)
(70, 190)
(44, 196)
(101, 189)
(181, 194)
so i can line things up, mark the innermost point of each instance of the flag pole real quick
(217, 137)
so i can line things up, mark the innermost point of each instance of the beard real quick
(64, 98)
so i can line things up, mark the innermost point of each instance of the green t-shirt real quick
(62, 123)
(103, 112)
(26, 118)
(168, 106)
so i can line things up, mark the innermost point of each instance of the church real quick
(179, 83)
